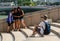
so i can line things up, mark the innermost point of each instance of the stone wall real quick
(34, 17)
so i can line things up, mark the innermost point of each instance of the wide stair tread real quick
(27, 31)
(18, 36)
(56, 24)
(6, 37)
(55, 29)
(49, 37)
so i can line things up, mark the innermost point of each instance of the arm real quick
(41, 24)
(37, 26)
(15, 16)
(22, 14)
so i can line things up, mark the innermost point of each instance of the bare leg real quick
(18, 25)
(13, 26)
(34, 32)
(23, 23)
(8, 29)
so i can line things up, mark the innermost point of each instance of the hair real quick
(15, 9)
(45, 17)
(20, 9)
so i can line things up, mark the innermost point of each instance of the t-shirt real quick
(42, 24)
(10, 18)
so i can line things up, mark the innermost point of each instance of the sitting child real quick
(41, 27)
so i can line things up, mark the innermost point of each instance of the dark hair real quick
(45, 17)
(19, 9)
(14, 9)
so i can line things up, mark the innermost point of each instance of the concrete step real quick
(55, 29)
(27, 31)
(7, 37)
(49, 37)
(52, 37)
(18, 36)
(56, 24)
(0, 38)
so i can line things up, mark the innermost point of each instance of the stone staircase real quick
(24, 34)
(6, 37)
(18, 36)
(56, 24)
(51, 37)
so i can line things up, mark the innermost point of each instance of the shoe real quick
(32, 36)
(25, 27)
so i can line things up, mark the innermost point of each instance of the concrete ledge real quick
(27, 31)
(18, 36)
(6, 37)
(55, 30)
(56, 24)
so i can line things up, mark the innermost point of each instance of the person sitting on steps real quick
(41, 27)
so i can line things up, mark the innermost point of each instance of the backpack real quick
(47, 28)
(10, 19)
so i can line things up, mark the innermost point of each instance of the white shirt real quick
(42, 24)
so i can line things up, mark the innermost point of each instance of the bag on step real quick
(47, 28)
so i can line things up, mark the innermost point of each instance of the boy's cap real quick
(45, 16)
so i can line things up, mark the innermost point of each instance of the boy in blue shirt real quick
(10, 20)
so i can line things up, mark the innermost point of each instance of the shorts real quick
(14, 18)
(9, 24)
(21, 18)
(40, 31)
(37, 29)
